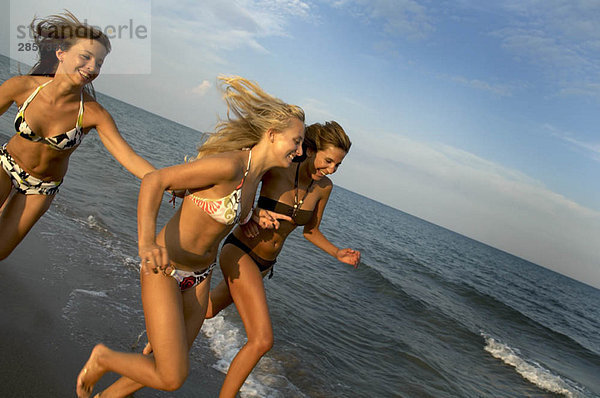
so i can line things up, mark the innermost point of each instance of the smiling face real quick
(325, 161)
(288, 142)
(82, 61)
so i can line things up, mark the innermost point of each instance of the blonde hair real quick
(254, 112)
(61, 31)
(320, 136)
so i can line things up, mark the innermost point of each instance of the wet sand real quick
(39, 357)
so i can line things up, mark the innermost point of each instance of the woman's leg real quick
(19, 214)
(248, 293)
(218, 300)
(5, 188)
(194, 310)
(167, 369)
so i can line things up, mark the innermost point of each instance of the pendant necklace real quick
(298, 204)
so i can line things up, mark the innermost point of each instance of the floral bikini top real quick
(226, 210)
(60, 142)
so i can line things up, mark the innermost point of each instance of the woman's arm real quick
(201, 173)
(10, 89)
(313, 234)
(116, 145)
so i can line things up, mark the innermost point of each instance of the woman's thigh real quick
(19, 215)
(165, 325)
(246, 287)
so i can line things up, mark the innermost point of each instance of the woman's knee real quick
(261, 344)
(173, 379)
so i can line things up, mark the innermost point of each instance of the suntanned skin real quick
(189, 241)
(53, 111)
(243, 280)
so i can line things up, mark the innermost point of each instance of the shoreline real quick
(40, 357)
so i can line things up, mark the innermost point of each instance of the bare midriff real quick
(269, 242)
(38, 159)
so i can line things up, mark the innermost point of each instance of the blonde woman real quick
(263, 133)
(57, 108)
(289, 198)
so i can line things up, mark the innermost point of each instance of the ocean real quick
(428, 313)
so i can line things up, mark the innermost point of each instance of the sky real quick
(480, 117)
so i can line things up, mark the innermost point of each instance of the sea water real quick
(428, 313)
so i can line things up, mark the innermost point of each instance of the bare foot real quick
(91, 373)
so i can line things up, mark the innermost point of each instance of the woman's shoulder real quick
(24, 85)
(325, 182)
(94, 107)
(94, 112)
(230, 164)
(324, 186)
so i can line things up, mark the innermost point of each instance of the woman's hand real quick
(268, 219)
(154, 258)
(250, 229)
(348, 256)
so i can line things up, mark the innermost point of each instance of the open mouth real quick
(86, 76)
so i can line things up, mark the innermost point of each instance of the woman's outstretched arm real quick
(313, 234)
(116, 144)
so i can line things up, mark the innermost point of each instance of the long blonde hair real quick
(254, 112)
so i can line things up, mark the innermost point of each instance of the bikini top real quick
(302, 217)
(60, 142)
(226, 210)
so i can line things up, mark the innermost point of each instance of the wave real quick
(531, 371)
(266, 380)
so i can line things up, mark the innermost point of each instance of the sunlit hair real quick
(61, 31)
(251, 112)
(318, 137)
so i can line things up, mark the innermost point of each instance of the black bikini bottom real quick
(263, 265)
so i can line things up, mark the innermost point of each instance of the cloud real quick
(559, 37)
(408, 18)
(201, 88)
(477, 198)
(591, 149)
(498, 89)
(581, 88)
(316, 110)
(228, 25)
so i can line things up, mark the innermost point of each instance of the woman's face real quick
(82, 62)
(288, 142)
(326, 161)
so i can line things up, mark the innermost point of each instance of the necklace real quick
(298, 204)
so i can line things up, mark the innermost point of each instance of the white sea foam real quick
(529, 370)
(93, 223)
(72, 302)
(266, 380)
(90, 292)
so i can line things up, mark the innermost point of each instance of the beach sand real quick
(40, 358)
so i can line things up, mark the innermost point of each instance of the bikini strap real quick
(80, 114)
(32, 96)
(247, 169)
(248, 165)
(296, 179)
(242, 183)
